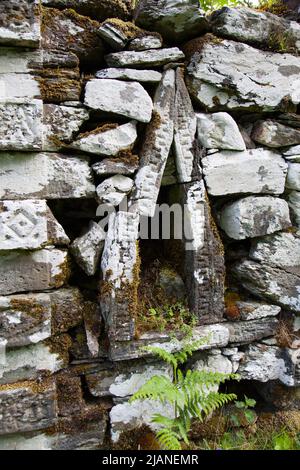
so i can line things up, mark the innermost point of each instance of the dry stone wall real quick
(100, 104)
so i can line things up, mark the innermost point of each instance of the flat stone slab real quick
(227, 76)
(274, 134)
(20, 23)
(21, 124)
(150, 58)
(279, 249)
(219, 131)
(60, 123)
(177, 21)
(27, 406)
(130, 74)
(270, 282)
(33, 271)
(29, 225)
(30, 318)
(251, 310)
(18, 85)
(254, 217)
(87, 248)
(127, 99)
(259, 28)
(115, 166)
(251, 171)
(107, 142)
(145, 42)
(51, 176)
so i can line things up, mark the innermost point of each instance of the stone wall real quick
(97, 103)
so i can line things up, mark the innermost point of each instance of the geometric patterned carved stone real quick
(28, 225)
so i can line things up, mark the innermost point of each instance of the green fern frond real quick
(164, 355)
(159, 388)
(168, 439)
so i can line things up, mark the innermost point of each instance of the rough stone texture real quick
(214, 363)
(113, 190)
(31, 318)
(130, 74)
(184, 130)
(150, 58)
(219, 130)
(32, 271)
(27, 407)
(113, 36)
(51, 176)
(176, 20)
(28, 225)
(124, 381)
(95, 9)
(293, 177)
(252, 330)
(215, 336)
(18, 85)
(255, 27)
(262, 363)
(115, 166)
(156, 148)
(226, 76)
(21, 124)
(251, 310)
(280, 249)
(29, 363)
(254, 216)
(270, 282)
(204, 257)
(294, 205)
(61, 123)
(119, 265)
(274, 135)
(15, 60)
(87, 249)
(145, 42)
(67, 31)
(127, 99)
(252, 171)
(108, 142)
(128, 416)
(292, 154)
(20, 23)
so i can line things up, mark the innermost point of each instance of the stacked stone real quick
(96, 109)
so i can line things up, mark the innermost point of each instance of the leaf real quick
(250, 402)
(250, 416)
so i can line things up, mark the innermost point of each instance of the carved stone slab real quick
(156, 148)
(118, 298)
(20, 23)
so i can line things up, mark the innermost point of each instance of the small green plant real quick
(211, 5)
(284, 441)
(191, 394)
(245, 415)
(170, 317)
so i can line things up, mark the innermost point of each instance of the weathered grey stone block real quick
(128, 99)
(20, 23)
(107, 142)
(87, 248)
(294, 205)
(32, 271)
(150, 58)
(293, 177)
(130, 74)
(21, 124)
(176, 20)
(27, 406)
(219, 131)
(274, 135)
(254, 216)
(113, 190)
(251, 171)
(116, 166)
(252, 310)
(60, 123)
(51, 176)
(28, 225)
(145, 42)
(228, 76)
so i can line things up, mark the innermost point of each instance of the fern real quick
(192, 394)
